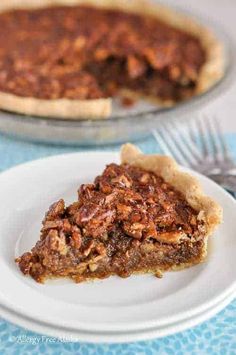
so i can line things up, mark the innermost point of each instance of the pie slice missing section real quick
(91, 51)
(142, 216)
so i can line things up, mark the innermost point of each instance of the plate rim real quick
(116, 338)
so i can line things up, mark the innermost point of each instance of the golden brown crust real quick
(60, 108)
(210, 73)
(168, 169)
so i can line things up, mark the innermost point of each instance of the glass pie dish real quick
(125, 124)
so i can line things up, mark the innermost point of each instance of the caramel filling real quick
(83, 52)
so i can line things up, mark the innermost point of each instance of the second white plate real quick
(114, 337)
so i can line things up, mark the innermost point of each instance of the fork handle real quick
(226, 181)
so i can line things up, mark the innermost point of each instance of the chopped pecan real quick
(101, 54)
(100, 248)
(134, 230)
(72, 209)
(56, 210)
(136, 216)
(56, 242)
(86, 191)
(80, 42)
(150, 230)
(86, 213)
(136, 67)
(123, 211)
(88, 249)
(93, 267)
(145, 178)
(105, 187)
(76, 238)
(111, 197)
(122, 180)
(66, 225)
(52, 224)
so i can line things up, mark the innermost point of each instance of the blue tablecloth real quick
(216, 336)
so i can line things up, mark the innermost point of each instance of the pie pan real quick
(124, 124)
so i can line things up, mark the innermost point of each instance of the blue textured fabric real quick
(216, 336)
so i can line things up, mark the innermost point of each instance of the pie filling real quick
(83, 52)
(128, 221)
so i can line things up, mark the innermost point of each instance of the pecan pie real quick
(68, 60)
(138, 217)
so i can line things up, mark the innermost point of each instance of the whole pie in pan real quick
(68, 59)
(142, 216)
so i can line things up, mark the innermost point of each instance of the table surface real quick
(216, 336)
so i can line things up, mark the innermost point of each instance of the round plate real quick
(115, 304)
(114, 337)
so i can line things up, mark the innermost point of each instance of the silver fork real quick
(202, 147)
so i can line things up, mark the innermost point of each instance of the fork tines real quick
(200, 140)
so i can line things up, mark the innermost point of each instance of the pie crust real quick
(143, 216)
(211, 71)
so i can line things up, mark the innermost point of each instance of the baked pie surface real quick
(141, 216)
(68, 61)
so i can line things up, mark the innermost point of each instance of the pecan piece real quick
(122, 180)
(93, 267)
(56, 210)
(123, 211)
(76, 240)
(134, 230)
(136, 67)
(56, 242)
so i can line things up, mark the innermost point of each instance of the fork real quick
(202, 147)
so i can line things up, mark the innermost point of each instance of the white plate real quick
(115, 304)
(114, 337)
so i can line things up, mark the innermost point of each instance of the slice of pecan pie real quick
(68, 60)
(142, 216)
